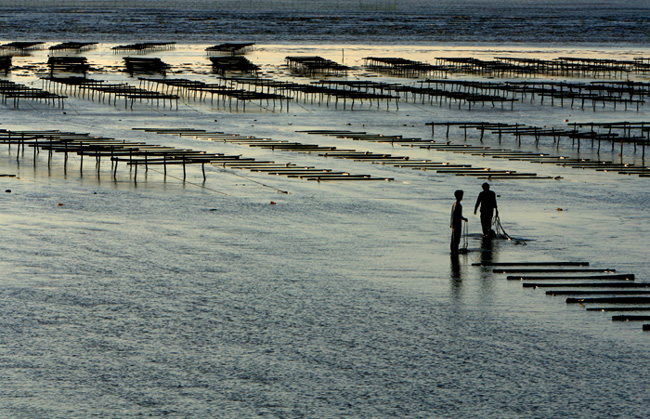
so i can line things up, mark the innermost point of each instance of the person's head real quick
(486, 186)
(458, 194)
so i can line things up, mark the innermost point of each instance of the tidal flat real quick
(255, 295)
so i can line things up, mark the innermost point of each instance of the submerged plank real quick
(618, 309)
(628, 318)
(621, 284)
(610, 300)
(569, 263)
(624, 277)
(543, 270)
(345, 178)
(598, 292)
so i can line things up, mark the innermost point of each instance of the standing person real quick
(456, 223)
(487, 200)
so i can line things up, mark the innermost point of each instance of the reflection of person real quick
(456, 223)
(487, 200)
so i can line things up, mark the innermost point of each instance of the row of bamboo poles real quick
(398, 161)
(97, 89)
(15, 92)
(272, 168)
(447, 168)
(636, 134)
(509, 66)
(612, 94)
(595, 289)
(131, 153)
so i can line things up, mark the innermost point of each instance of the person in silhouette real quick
(456, 223)
(487, 200)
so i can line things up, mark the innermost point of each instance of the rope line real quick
(498, 228)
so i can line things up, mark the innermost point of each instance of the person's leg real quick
(486, 222)
(455, 239)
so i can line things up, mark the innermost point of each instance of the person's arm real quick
(460, 214)
(478, 202)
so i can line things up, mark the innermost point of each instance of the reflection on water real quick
(487, 249)
(455, 267)
(485, 254)
(207, 302)
(456, 280)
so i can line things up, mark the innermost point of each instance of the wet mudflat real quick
(154, 296)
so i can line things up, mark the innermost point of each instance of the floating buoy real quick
(272, 202)
(559, 209)
(60, 204)
(8, 190)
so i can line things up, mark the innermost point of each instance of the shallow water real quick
(162, 298)
(172, 301)
(388, 22)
